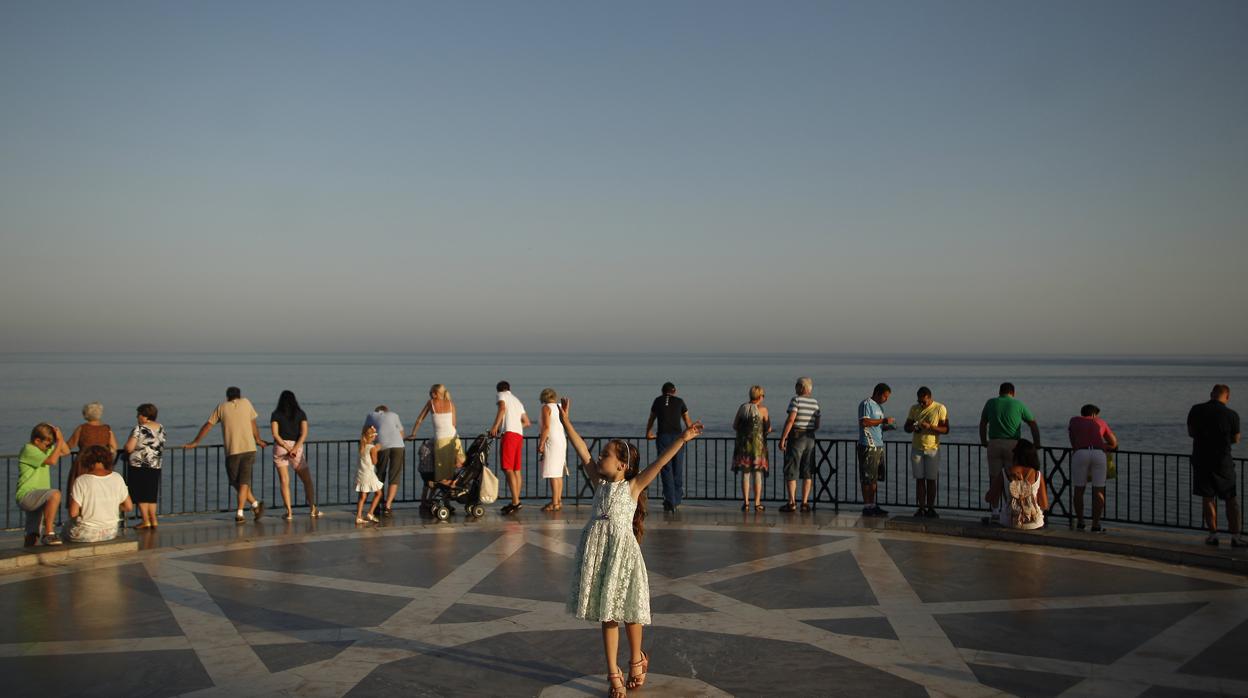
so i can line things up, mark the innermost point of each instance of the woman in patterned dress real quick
(609, 582)
(749, 455)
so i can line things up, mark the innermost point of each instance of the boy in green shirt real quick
(35, 494)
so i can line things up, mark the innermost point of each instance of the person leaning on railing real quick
(1090, 438)
(797, 441)
(145, 446)
(1000, 428)
(1214, 428)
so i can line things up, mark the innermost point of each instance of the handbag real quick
(1111, 466)
(489, 486)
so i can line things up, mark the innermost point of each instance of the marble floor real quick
(764, 606)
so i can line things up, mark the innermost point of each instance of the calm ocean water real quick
(1145, 400)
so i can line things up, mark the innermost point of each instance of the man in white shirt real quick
(511, 418)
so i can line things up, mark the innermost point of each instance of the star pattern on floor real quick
(738, 610)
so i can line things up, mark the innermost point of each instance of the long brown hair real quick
(631, 456)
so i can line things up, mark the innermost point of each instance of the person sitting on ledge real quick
(1019, 491)
(97, 496)
(35, 495)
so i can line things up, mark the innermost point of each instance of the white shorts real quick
(1087, 461)
(925, 464)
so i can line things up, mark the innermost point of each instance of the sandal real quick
(288, 516)
(759, 507)
(316, 513)
(550, 506)
(639, 679)
(612, 690)
(745, 507)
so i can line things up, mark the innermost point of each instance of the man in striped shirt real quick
(798, 443)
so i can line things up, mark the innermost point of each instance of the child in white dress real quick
(609, 581)
(366, 475)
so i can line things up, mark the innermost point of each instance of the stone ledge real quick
(1219, 558)
(19, 558)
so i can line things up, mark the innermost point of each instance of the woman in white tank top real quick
(552, 449)
(448, 453)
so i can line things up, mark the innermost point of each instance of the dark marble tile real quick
(416, 560)
(829, 580)
(472, 613)
(1224, 658)
(259, 605)
(670, 603)
(282, 657)
(679, 552)
(530, 573)
(130, 674)
(1023, 683)
(941, 572)
(1167, 692)
(523, 664)
(862, 627)
(1098, 635)
(97, 604)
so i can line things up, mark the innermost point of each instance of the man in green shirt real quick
(35, 494)
(1000, 427)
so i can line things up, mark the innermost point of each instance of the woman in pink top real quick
(1090, 438)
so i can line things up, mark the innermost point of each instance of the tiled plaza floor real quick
(756, 605)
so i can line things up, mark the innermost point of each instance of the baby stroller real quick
(466, 488)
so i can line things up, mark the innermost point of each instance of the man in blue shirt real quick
(390, 458)
(870, 451)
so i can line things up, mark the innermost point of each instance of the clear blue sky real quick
(990, 176)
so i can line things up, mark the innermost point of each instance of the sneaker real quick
(880, 511)
(1238, 542)
(1079, 526)
(920, 513)
(1101, 529)
(51, 539)
(667, 506)
(257, 509)
(1212, 539)
(868, 511)
(931, 513)
(789, 507)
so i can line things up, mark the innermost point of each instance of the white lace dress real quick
(609, 580)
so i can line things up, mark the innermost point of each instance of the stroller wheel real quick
(442, 513)
(478, 510)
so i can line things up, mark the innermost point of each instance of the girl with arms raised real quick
(609, 582)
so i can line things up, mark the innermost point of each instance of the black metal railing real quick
(1151, 488)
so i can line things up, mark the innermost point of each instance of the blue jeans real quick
(673, 475)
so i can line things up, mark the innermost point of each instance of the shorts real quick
(1213, 478)
(32, 503)
(283, 458)
(81, 533)
(925, 464)
(390, 462)
(1085, 462)
(1000, 455)
(799, 457)
(511, 451)
(144, 484)
(238, 468)
(871, 467)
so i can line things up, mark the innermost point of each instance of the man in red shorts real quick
(512, 419)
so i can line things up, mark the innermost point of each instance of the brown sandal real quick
(639, 679)
(612, 690)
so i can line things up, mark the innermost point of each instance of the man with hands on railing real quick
(1214, 428)
(1000, 428)
(241, 436)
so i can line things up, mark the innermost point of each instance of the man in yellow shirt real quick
(927, 420)
(241, 435)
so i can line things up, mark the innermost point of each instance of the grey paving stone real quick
(419, 560)
(1224, 658)
(862, 627)
(1100, 635)
(940, 572)
(288, 656)
(1168, 692)
(670, 603)
(260, 605)
(829, 580)
(95, 604)
(1024, 683)
(106, 675)
(473, 613)
(532, 573)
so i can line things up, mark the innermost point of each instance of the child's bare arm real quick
(578, 444)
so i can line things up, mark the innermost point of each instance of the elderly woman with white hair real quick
(92, 432)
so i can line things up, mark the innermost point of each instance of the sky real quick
(990, 176)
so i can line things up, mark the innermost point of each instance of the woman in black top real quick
(290, 431)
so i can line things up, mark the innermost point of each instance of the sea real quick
(1144, 399)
